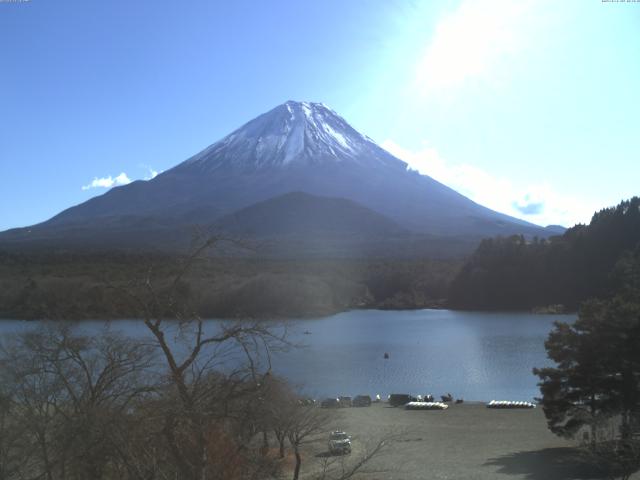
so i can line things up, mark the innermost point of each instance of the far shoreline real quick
(310, 316)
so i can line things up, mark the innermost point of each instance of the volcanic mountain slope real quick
(296, 147)
(300, 214)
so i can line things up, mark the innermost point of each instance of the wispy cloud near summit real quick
(108, 182)
(118, 180)
(536, 203)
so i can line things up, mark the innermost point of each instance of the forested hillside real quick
(79, 286)
(513, 273)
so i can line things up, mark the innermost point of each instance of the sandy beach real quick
(467, 441)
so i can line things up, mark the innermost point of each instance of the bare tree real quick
(343, 468)
(12, 458)
(192, 400)
(195, 354)
(277, 402)
(71, 392)
(305, 422)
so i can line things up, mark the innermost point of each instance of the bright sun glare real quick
(471, 40)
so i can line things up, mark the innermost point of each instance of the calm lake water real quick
(473, 355)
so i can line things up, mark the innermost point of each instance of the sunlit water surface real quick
(473, 355)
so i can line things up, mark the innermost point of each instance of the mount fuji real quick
(249, 177)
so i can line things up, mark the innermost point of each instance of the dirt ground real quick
(467, 441)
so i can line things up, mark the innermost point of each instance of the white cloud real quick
(108, 182)
(151, 172)
(536, 203)
(474, 39)
(122, 179)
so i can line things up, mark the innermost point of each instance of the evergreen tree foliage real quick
(516, 273)
(597, 373)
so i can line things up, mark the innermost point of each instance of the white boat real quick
(426, 406)
(509, 404)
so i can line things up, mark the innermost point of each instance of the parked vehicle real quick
(362, 401)
(345, 401)
(339, 443)
(397, 399)
(330, 403)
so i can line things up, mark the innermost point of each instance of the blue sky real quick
(529, 107)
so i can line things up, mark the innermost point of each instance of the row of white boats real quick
(509, 404)
(491, 404)
(426, 406)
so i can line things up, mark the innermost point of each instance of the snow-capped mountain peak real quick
(296, 147)
(290, 134)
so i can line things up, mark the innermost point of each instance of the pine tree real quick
(597, 376)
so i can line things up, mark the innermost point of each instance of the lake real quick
(474, 355)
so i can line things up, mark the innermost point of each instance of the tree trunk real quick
(203, 471)
(593, 427)
(625, 428)
(296, 472)
(45, 455)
